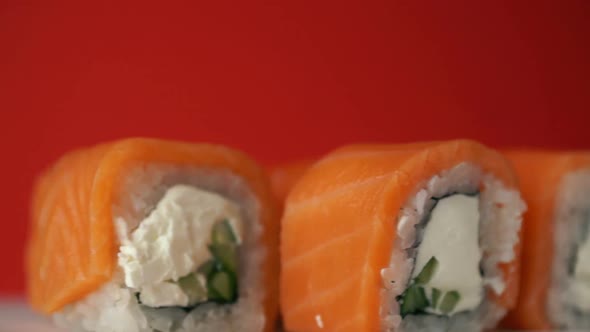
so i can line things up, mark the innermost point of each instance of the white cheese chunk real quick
(451, 236)
(164, 294)
(172, 242)
(580, 288)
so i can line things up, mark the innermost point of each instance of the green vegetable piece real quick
(207, 268)
(222, 287)
(413, 300)
(449, 301)
(435, 297)
(227, 255)
(193, 289)
(222, 233)
(427, 271)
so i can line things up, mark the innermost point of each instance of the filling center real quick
(185, 252)
(446, 278)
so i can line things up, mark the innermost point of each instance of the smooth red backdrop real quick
(281, 80)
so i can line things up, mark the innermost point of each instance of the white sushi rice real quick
(571, 214)
(115, 308)
(500, 221)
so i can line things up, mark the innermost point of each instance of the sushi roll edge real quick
(411, 304)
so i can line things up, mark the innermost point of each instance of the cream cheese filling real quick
(172, 242)
(451, 237)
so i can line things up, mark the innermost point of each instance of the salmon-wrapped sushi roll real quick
(150, 235)
(555, 291)
(418, 237)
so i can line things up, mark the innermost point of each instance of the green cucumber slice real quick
(413, 300)
(449, 301)
(222, 287)
(227, 255)
(191, 286)
(427, 271)
(222, 233)
(435, 297)
(207, 268)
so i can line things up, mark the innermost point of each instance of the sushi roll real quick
(416, 237)
(150, 235)
(555, 277)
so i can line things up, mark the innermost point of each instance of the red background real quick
(281, 80)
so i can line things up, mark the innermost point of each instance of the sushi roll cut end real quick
(425, 236)
(186, 235)
(454, 234)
